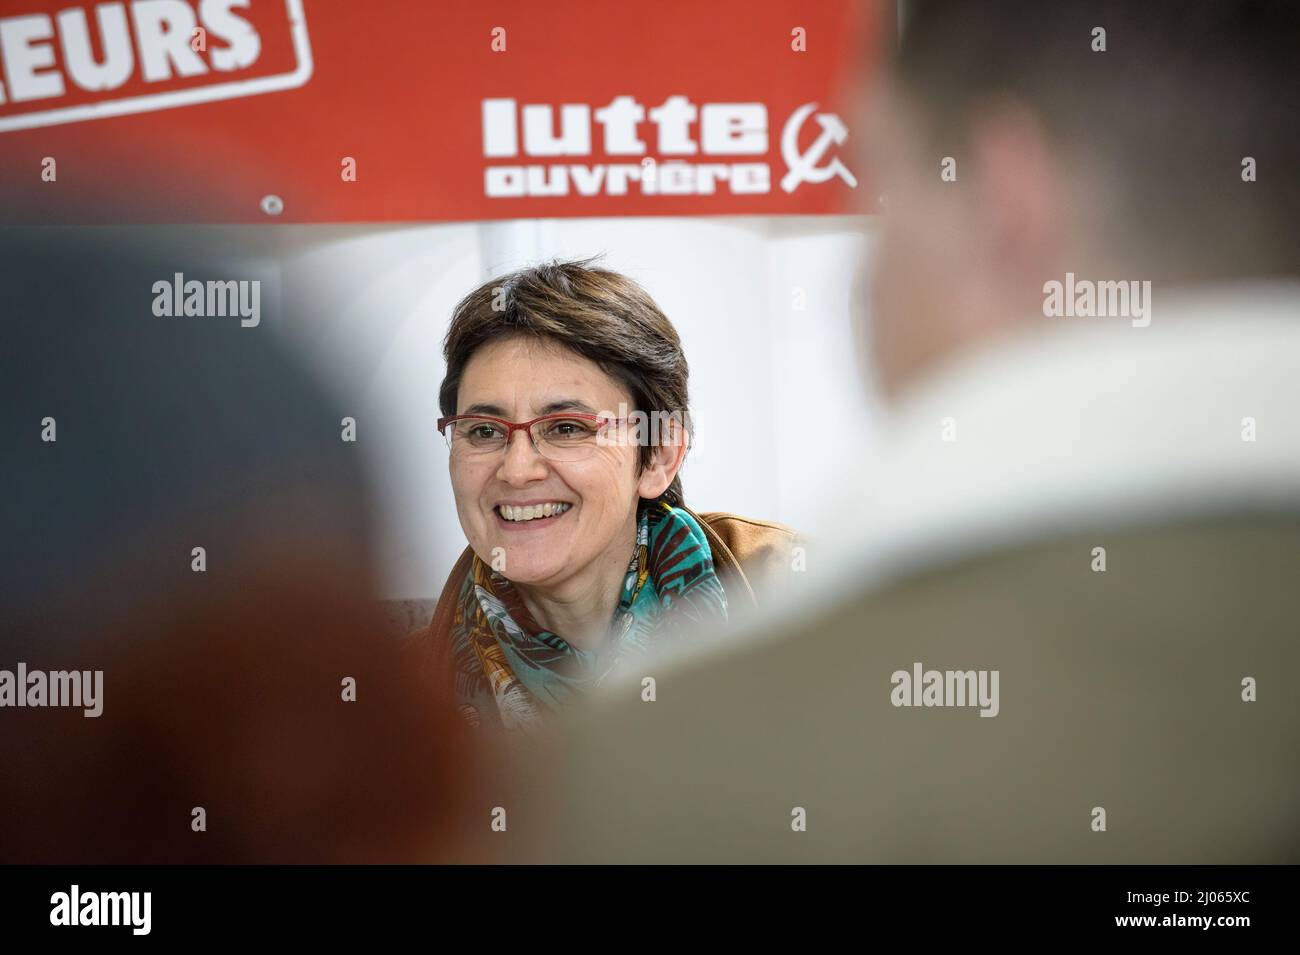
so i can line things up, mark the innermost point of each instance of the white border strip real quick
(202, 94)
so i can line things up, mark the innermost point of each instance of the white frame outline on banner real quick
(203, 94)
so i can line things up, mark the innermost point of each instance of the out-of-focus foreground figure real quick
(1065, 626)
(180, 514)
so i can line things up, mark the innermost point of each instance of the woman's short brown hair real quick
(601, 315)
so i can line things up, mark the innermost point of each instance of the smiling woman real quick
(582, 552)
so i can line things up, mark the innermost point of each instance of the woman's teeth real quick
(532, 511)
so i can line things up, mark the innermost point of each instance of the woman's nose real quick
(520, 462)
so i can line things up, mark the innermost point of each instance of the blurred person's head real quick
(180, 513)
(576, 346)
(1120, 163)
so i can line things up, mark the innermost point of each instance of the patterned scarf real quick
(510, 672)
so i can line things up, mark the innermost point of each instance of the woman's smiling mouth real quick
(530, 515)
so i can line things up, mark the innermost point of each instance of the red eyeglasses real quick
(567, 436)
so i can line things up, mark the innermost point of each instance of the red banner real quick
(338, 111)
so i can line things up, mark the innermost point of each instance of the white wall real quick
(776, 393)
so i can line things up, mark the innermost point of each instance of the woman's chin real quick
(530, 575)
(523, 563)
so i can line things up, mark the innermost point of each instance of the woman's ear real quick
(666, 459)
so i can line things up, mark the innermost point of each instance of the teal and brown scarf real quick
(510, 672)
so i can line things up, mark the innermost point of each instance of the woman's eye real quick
(483, 432)
(569, 429)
